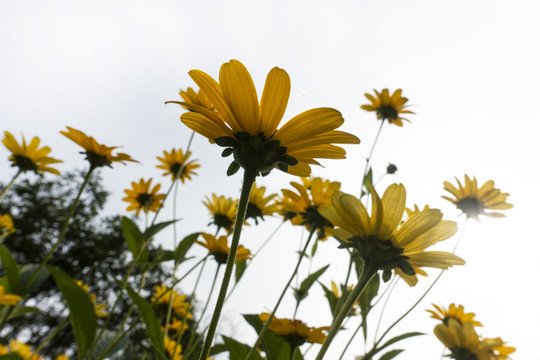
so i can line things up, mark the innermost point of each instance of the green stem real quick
(368, 271)
(249, 179)
(267, 323)
(351, 339)
(63, 231)
(50, 337)
(368, 161)
(8, 186)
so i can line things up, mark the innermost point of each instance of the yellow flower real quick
(342, 290)
(414, 210)
(176, 324)
(140, 197)
(6, 225)
(386, 242)
(173, 349)
(474, 201)
(250, 130)
(29, 157)
(4, 350)
(97, 154)
(295, 332)
(388, 107)
(62, 357)
(190, 96)
(258, 206)
(465, 344)
(180, 305)
(304, 204)
(23, 350)
(453, 312)
(177, 165)
(223, 211)
(220, 249)
(8, 299)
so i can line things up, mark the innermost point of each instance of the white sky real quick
(470, 68)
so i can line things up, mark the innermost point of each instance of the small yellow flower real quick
(384, 240)
(219, 248)
(295, 332)
(4, 350)
(140, 197)
(62, 357)
(180, 305)
(474, 201)
(414, 210)
(177, 165)
(304, 204)
(249, 129)
(196, 98)
(8, 299)
(97, 154)
(173, 349)
(223, 211)
(388, 107)
(453, 312)
(29, 157)
(23, 350)
(177, 324)
(6, 225)
(258, 206)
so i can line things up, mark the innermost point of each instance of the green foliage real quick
(237, 350)
(10, 267)
(370, 291)
(302, 292)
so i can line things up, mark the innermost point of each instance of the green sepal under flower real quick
(255, 152)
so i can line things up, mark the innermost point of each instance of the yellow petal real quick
(274, 100)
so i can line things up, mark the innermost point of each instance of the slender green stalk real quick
(249, 179)
(8, 186)
(368, 271)
(267, 323)
(351, 339)
(391, 287)
(50, 337)
(63, 231)
(368, 161)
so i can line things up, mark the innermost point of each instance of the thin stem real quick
(8, 186)
(391, 287)
(351, 339)
(249, 179)
(267, 323)
(368, 271)
(50, 337)
(368, 161)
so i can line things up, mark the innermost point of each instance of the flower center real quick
(459, 353)
(222, 221)
(24, 163)
(387, 112)
(254, 212)
(178, 169)
(295, 340)
(145, 200)
(96, 160)
(471, 206)
(220, 257)
(316, 221)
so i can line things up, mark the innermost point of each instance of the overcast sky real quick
(469, 68)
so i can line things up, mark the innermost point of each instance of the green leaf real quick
(303, 290)
(156, 228)
(369, 293)
(12, 356)
(153, 328)
(368, 181)
(314, 248)
(233, 168)
(225, 141)
(10, 267)
(237, 350)
(184, 245)
(239, 270)
(106, 339)
(391, 354)
(395, 339)
(218, 349)
(81, 310)
(26, 272)
(332, 300)
(134, 239)
(158, 256)
(19, 311)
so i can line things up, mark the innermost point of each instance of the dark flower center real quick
(294, 340)
(316, 221)
(24, 163)
(254, 212)
(459, 353)
(96, 160)
(178, 169)
(221, 258)
(471, 206)
(387, 112)
(222, 221)
(145, 200)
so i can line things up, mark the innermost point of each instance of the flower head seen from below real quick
(29, 157)
(453, 312)
(6, 226)
(98, 155)
(384, 240)
(295, 332)
(219, 248)
(173, 349)
(181, 307)
(178, 165)
(8, 299)
(249, 129)
(142, 196)
(222, 210)
(388, 107)
(474, 200)
(464, 342)
(305, 202)
(23, 350)
(258, 204)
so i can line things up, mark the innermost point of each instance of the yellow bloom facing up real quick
(258, 206)
(465, 344)
(304, 204)
(177, 165)
(8, 299)
(249, 129)
(295, 332)
(180, 305)
(140, 197)
(388, 107)
(453, 312)
(29, 157)
(97, 154)
(223, 211)
(6, 225)
(23, 350)
(173, 349)
(386, 242)
(219, 248)
(474, 201)
(196, 98)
